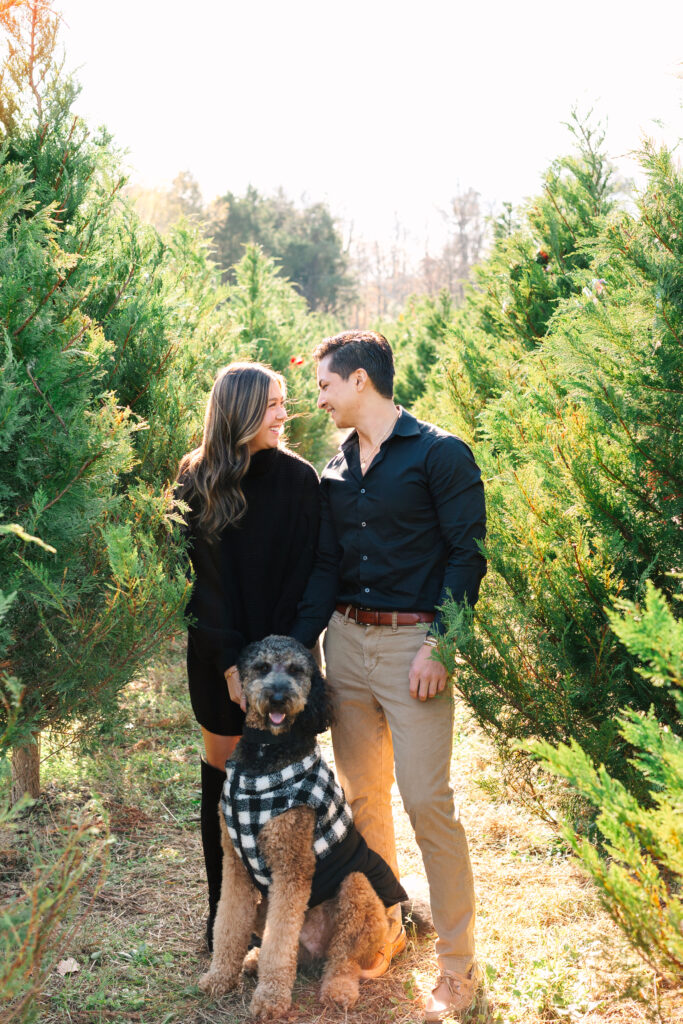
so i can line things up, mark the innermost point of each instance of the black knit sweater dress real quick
(248, 582)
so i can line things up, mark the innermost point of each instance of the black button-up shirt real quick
(404, 536)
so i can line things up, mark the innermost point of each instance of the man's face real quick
(339, 397)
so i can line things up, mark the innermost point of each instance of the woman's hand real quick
(232, 678)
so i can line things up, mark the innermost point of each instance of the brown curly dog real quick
(295, 869)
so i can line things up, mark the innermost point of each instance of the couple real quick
(397, 516)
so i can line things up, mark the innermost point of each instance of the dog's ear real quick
(317, 716)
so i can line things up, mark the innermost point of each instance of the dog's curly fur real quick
(282, 681)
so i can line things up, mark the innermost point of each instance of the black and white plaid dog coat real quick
(249, 801)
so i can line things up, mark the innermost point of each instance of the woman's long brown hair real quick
(214, 471)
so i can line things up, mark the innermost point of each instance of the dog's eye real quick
(261, 667)
(293, 669)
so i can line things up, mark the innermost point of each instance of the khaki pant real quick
(379, 726)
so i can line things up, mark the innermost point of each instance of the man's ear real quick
(361, 378)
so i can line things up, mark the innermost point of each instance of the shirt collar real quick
(405, 426)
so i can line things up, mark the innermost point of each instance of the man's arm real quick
(458, 495)
(320, 595)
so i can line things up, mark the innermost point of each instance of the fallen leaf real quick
(68, 966)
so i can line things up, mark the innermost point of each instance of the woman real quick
(252, 526)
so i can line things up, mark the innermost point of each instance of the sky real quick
(384, 110)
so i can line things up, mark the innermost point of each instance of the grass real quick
(548, 952)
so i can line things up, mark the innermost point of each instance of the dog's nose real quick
(277, 697)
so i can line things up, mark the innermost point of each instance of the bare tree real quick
(466, 226)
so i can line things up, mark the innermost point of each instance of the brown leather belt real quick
(371, 617)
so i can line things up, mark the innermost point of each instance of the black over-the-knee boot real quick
(212, 786)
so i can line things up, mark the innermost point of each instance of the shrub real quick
(579, 441)
(639, 873)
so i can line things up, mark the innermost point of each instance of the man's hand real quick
(427, 676)
(232, 678)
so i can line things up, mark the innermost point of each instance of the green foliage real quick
(106, 336)
(418, 339)
(35, 926)
(271, 323)
(639, 875)
(516, 290)
(577, 416)
(305, 242)
(110, 340)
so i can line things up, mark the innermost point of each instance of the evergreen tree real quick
(516, 290)
(305, 242)
(271, 323)
(417, 340)
(639, 873)
(580, 446)
(37, 925)
(107, 335)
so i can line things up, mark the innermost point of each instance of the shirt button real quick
(367, 590)
(362, 490)
(365, 558)
(362, 524)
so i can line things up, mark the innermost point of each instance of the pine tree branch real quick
(138, 653)
(562, 216)
(630, 489)
(32, 59)
(121, 351)
(79, 474)
(656, 233)
(571, 615)
(44, 397)
(598, 660)
(634, 443)
(527, 664)
(58, 283)
(66, 153)
(668, 324)
(41, 140)
(167, 355)
(78, 336)
(574, 546)
(120, 292)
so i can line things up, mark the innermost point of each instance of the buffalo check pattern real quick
(250, 801)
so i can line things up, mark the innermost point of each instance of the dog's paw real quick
(340, 989)
(217, 983)
(250, 965)
(269, 1001)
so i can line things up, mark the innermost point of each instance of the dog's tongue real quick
(276, 717)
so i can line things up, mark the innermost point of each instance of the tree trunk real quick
(26, 769)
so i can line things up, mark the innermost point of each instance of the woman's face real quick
(270, 431)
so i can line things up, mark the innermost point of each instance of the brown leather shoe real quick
(451, 994)
(384, 956)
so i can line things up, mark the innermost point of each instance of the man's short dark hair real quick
(364, 350)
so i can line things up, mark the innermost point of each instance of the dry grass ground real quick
(548, 952)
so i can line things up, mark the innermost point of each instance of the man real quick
(402, 511)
